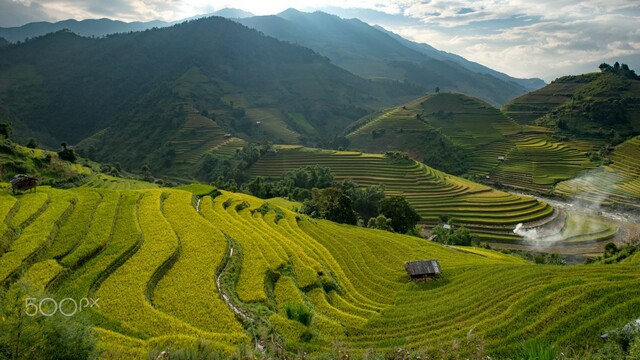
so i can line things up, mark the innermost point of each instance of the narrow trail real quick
(224, 296)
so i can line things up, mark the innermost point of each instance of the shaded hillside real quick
(373, 53)
(130, 96)
(4, 42)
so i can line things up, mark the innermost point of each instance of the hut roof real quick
(20, 178)
(423, 267)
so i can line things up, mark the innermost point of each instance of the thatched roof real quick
(423, 267)
(20, 178)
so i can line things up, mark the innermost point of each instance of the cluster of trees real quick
(452, 235)
(397, 157)
(622, 70)
(344, 202)
(349, 204)
(296, 184)
(614, 254)
(227, 173)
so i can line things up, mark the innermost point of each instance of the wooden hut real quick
(23, 182)
(423, 270)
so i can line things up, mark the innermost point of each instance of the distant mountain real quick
(367, 51)
(229, 13)
(232, 13)
(166, 96)
(529, 84)
(373, 52)
(91, 27)
(101, 27)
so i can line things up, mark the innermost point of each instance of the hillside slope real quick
(153, 271)
(601, 105)
(143, 89)
(463, 135)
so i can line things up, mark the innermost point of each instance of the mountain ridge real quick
(150, 82)
(361, 61)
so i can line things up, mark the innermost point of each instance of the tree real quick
(366, 201)
(605, 67)
(403, 216)
(437, 89)
(32, 144)
(610, 249)
(453, 236)
(380, 222)
(331, 204)
(67, 153)
(5, 129)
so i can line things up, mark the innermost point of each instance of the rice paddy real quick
(155, 278)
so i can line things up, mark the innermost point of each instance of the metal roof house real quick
(22, 182)
(423, 270)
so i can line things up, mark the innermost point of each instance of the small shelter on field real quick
(502, 158)
(23, 182)
(423, 270)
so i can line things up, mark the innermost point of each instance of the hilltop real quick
(601, 105)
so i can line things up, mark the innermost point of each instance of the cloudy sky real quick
(524, 38)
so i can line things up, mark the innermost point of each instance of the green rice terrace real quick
(489, 213)
(495, 148)
(616, 183)
(172, 270)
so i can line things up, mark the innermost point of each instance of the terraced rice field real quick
(268, 121)
(527, 108)
(537, 163)
(155, 279)
(198, 135)
(517, 155)
(467, 121)
(617, 183)
(489, 213)
(104, 181)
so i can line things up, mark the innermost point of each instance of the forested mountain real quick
(367, 51)
(372, 52)
(128, 96)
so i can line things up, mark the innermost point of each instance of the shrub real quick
(538, 350)
(298, 312)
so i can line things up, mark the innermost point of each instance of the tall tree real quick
(403, 216)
